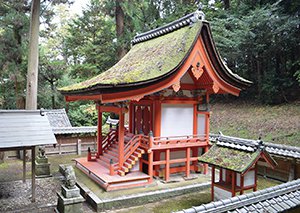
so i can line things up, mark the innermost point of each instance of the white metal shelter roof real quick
(24, 128)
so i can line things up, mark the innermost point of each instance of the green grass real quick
(189, 200)
(277, 124)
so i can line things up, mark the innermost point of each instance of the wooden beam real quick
(114, 109)
(33, 173)
(24, 165)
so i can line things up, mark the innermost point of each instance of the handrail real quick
(158, 141)
(131, 146)
(109, 139)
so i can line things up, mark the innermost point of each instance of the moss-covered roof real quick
(232, 159)
(147, 60)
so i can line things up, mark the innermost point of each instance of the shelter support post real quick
(242, 184)
(188, 162)
(212, 182)
(121, 138)
(150, 166)
(255, 176)
(99, 135)
(167, 175)
(24, 165)
(33, 173)
(233, 183)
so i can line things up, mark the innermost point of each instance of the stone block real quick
(69, 205)
(70, 193)
(42, 169)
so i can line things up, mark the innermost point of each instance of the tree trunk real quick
(226, 4)
(33, 57)
(121, 51)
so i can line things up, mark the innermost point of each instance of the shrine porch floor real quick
(100, 175)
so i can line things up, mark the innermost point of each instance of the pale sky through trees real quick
(78, 5)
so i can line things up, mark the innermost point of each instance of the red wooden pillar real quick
(99, 135)
(150, 166)
(167, 175)
(121, 139)
(156, 130)
(233, 183)
(212, 182)
(157, 118)
(131, 118)
(221, 175)
(188, 159)
(205, 165)
(242, 184)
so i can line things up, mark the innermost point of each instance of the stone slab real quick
(41, 160)
(70, 193)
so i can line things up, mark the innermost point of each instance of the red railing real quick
(109, 139)
(131, 146)
(177, 140)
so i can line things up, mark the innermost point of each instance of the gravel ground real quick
(15, 196)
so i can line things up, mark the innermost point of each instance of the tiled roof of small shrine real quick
(235, 154)
(61, 125)
(155, 55)
(271, 148)
(279, 198)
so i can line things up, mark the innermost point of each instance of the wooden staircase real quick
(131, 161)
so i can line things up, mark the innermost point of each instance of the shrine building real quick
(236, 160)
(162, 85)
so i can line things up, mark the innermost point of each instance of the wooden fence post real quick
(78, 146)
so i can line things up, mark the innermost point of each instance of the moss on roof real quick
(236, 160)
(146, 60)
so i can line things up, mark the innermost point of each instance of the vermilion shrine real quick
(163, 83)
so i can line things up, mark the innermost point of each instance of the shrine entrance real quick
(142, 118)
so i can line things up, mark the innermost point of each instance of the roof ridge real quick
(272, 148)
(170, 27)
(247, 199)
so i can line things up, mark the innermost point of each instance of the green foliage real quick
(82, 114)
(259, 40)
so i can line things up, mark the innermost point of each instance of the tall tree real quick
(33, 57)
(120, 17)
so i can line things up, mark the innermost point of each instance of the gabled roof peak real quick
(189, 19)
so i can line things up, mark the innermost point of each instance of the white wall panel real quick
(249, 179)
(220, 194)
(201, 124)
(176, 120)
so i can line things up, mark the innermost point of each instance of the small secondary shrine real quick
(163, 83)
(236, 159)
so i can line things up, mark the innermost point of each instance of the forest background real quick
(258, 39)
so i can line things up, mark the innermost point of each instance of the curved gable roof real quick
(154, 56)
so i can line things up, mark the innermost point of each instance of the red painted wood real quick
(138, 120)
(146, 120)
(99, 134)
